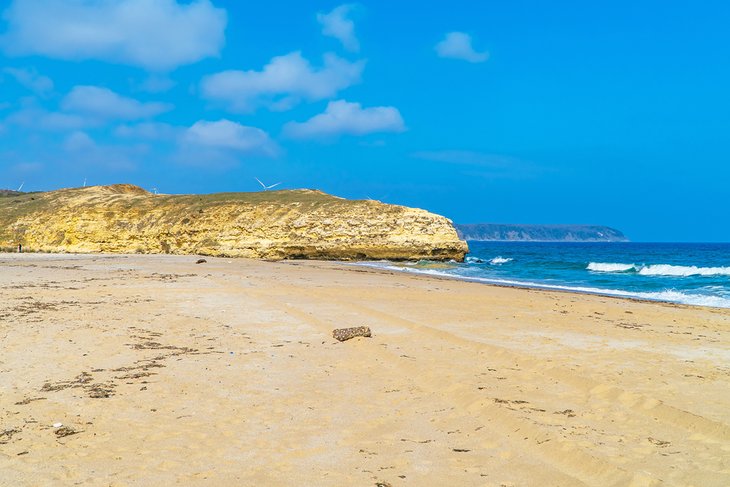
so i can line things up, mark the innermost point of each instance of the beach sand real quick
(226, 373)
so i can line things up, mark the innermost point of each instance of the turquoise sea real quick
(688, 273)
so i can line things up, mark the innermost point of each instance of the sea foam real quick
(659, 269)
(608, 267)
(495, 261)
(683, 271)
(671, 296)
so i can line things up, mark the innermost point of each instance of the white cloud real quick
(342, 117)
(158, 35)
(61, 121)
(229, 136)
(103, 103)
(34, 117)
(78, 141)
(457, 45)
(86, 151)
(30, 78)
(84, 107)
(156, 84)
(282, 83)
(337, 24)
(148, 130)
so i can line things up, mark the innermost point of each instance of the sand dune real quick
(226, 373)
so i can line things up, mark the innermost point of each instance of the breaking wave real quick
(670, 296)
(681, 271)
(495, 261)
(659, 269)
(606, 267)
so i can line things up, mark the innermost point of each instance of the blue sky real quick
(611, 113)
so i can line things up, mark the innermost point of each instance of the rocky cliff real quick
(540, 233)
(270, 225)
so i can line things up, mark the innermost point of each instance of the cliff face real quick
(540, 233)
(269, 225)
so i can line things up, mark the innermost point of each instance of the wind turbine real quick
(21, 186)
(154, 190)
(84, 182)
(266, 188)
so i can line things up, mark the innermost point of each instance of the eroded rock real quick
(343, 334)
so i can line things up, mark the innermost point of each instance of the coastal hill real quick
(539, 233)
(269, 225)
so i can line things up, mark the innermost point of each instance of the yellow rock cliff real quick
(270, 225)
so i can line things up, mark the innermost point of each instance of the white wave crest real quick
(685, 298)
(660, 269)
(683, 271)
(500, 260)
(473, 260)
(671, 296)
(608, 267)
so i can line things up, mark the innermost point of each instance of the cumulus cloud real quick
(229, 136)
(337, 24)
(33, 117)
(457, 45)
(103, 103)
(282, 83)
(148, 130)
(86, 151)
(156, 84)
(345, 118)
(84, 107)
(78, 141)
(157, 35)
(30, 78)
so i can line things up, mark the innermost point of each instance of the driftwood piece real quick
(343, 334)
(66, 431)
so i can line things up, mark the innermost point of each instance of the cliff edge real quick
(268, 225)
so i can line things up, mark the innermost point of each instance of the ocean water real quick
(697, 274)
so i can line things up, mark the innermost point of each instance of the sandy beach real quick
(160, 371)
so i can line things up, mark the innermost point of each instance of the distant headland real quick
(539, 233)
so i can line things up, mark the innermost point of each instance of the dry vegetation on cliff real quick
(272, 224)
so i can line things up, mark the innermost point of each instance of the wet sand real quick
(167, 372)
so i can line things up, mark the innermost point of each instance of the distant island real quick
(539, 233)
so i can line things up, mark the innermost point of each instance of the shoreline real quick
(537, 287)
(391, 271)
